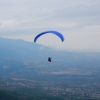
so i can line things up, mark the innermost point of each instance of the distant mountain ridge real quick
(21, 49)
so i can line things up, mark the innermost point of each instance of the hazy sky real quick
(77, 20)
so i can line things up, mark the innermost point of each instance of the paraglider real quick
(53, 32)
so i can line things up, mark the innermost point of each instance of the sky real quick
(77, 20)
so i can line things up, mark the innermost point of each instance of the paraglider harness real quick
(49, 59)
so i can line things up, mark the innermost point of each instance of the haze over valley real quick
(24, 69)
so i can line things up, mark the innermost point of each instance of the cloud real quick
(29, 14)
(76, 19)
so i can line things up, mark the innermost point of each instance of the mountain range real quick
(22, 49)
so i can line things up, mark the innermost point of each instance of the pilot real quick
(49, 59)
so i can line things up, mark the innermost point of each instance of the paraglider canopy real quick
(54, 32)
